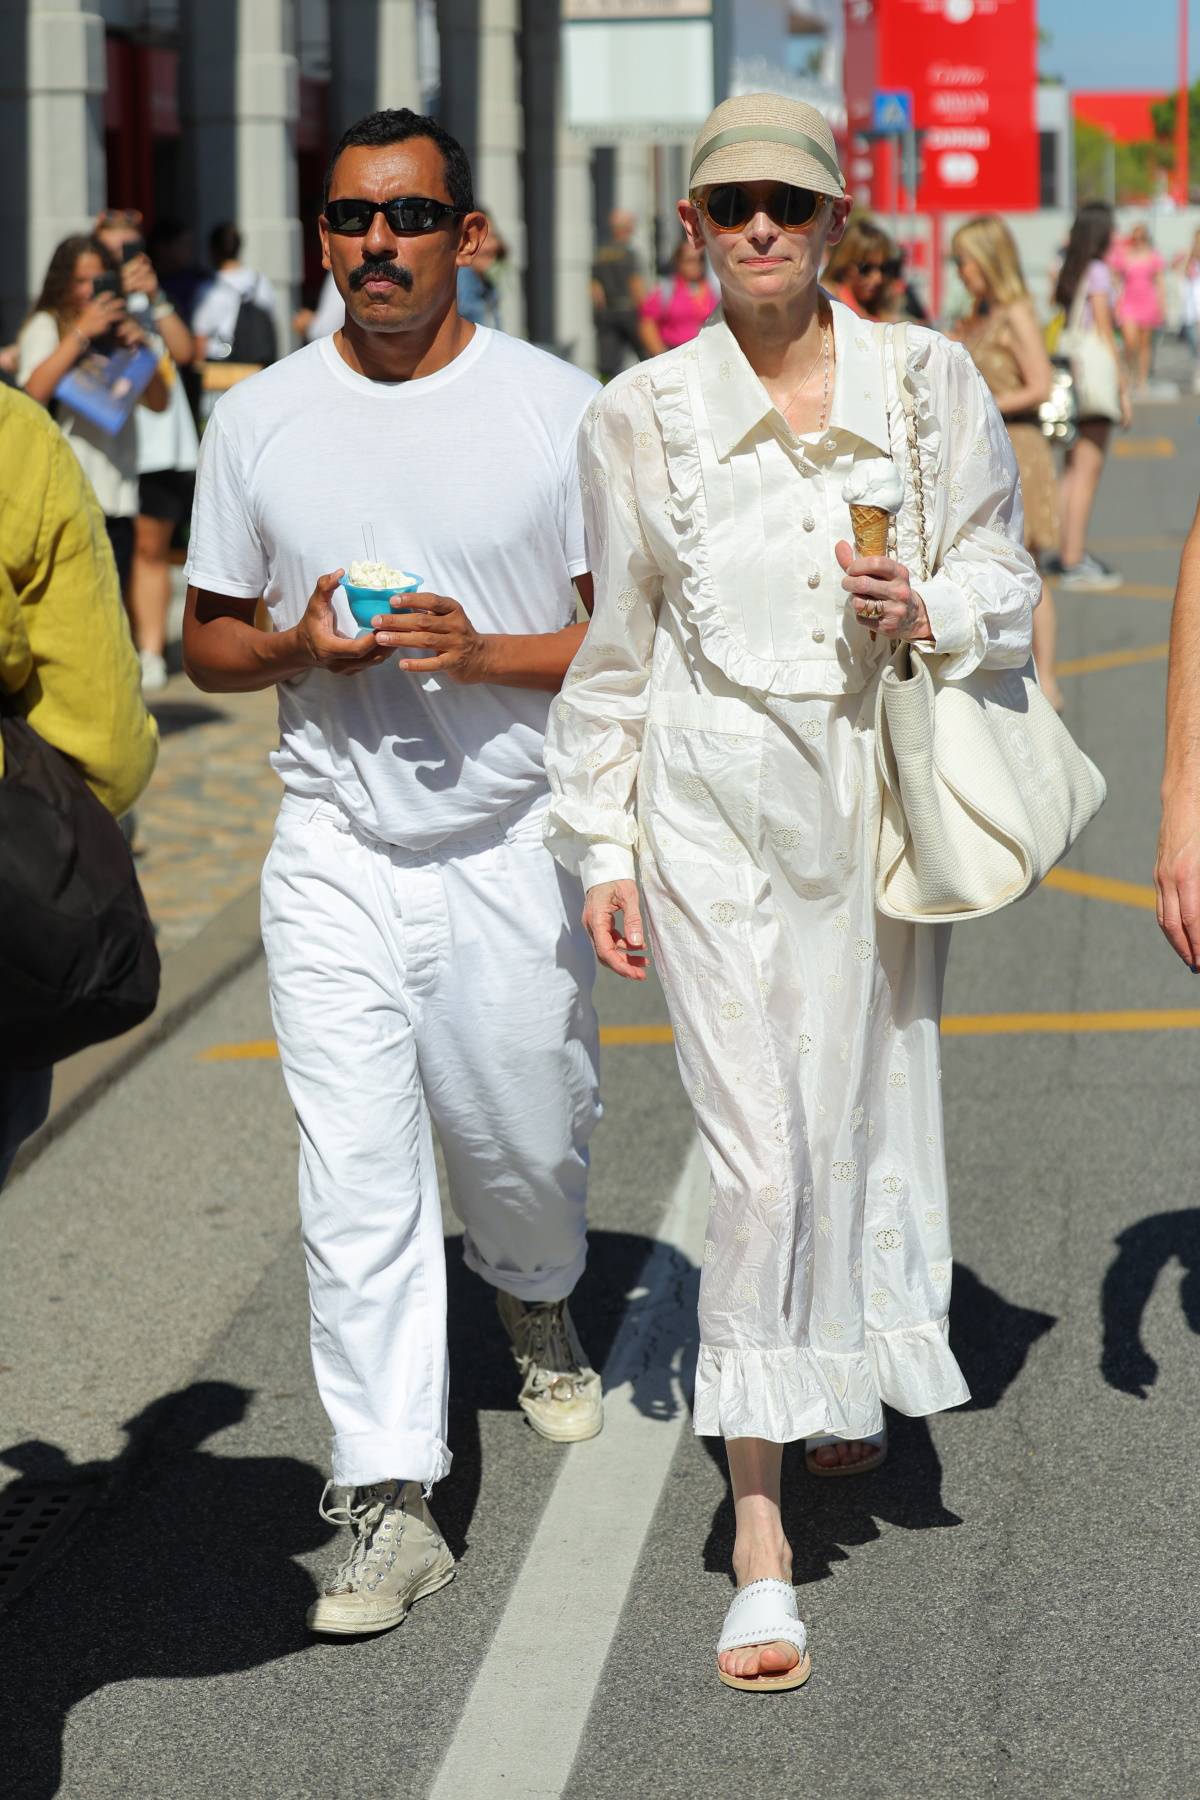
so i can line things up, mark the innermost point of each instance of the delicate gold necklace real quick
(821, 356)
(808, 374)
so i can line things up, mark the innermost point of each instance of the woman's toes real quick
(776, 1659)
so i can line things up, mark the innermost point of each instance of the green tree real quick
(1163, 113)
(1105, 170)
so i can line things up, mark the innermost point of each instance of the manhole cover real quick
(33, 1522)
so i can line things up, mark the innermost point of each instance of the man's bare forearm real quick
(226, 655)
(1182, 763)
(538, 661)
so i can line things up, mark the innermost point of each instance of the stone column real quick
(481, 105)
(241, 84)
(634, 193)
(373, 46)
(574, 244)
(52, 81)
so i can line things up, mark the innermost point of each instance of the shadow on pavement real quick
(184, 715)
(1143, 1252)
(155, 1583)
(825, 1519)
(184, 1567)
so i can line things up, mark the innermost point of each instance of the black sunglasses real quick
(410, 215)
(890, 270)
(729, 206)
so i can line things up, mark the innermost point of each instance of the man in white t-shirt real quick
(426, 960)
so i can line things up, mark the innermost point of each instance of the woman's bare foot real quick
(767, 1556)
(845, 1452)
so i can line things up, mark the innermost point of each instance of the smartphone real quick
(134, 247)
(105, 284)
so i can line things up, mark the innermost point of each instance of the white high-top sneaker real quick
(398, 1556)
(560, 1394)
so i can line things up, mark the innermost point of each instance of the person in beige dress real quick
(1005, 341)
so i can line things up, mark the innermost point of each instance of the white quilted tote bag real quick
(983, 788)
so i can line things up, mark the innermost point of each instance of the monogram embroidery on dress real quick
(959, 416)
(862, 949)
(811, 728)
(846, 1170)
(856, 1118)
(722, 912)
(593, 759)
(643, 440)
(897, 1079)
(825, 1225)
(742, 1232)
(627, 599)
(832, 1329)
(932, 1216)
(768, 1195)
(892, 1184)
(879, 1298)
(803, 1044)
(731, 1010)
(856, 1269)
(842, 922)
(785, 838)
(694, 787)
(940, 1273)
(889, 1238)
(710, 1251)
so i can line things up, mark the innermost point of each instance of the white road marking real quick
(526, 1712)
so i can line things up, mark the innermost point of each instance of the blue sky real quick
(1115, 44)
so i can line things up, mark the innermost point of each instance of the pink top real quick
(1097, 279)
(1140, 302)
(680, 314)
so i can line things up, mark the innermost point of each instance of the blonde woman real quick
(1002, 333)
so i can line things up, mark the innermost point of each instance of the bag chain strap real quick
(899, 346)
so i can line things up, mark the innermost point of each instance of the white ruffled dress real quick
(717, 725)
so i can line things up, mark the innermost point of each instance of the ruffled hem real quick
(781, 1395)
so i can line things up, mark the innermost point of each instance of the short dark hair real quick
(396, 125)
(224, 243)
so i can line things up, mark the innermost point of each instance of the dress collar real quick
(736, 400)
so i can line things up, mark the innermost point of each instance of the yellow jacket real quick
(65, 648)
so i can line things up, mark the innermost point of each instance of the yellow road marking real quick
(955, 1025)
(636, 1034)
(1134, 590)
(1139, 543)
(1113, 659)
(1001, 1024)
(1102, 887)
(1142, 448)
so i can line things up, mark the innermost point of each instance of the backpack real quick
(254, 339)
(78, 961)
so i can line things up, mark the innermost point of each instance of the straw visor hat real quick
(764, 137)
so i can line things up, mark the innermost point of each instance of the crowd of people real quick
(485, 794)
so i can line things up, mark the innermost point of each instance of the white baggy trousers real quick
(450, 986)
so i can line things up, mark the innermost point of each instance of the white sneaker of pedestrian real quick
(398, 1556)
(1090, 575)
(560, 1393)
(154, 671)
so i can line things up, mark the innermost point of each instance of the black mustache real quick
(381, 271)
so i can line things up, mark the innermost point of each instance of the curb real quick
(229, 943)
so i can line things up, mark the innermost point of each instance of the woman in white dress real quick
(717, 723)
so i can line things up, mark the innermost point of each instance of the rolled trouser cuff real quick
(362, 1457)
(544, 1284)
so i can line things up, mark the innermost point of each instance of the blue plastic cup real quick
(367, 603)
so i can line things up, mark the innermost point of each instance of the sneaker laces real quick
(554, 1366)
(376, 1536)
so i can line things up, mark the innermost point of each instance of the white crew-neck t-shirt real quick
(468, 478)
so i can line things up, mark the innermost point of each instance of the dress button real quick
(829, 444)
(810, 524)
(814, 579)
(818, 634)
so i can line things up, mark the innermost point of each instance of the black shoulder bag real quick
(78, 961)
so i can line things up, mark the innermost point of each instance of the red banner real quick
(971, 67)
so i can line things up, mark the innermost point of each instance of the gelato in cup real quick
(874, 492)
(369, 587)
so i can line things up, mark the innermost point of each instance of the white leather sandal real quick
(765, 1612)
(864, 1467)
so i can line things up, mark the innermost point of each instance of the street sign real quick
(893, 110)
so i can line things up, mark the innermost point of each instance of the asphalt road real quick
(1008, 1608)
